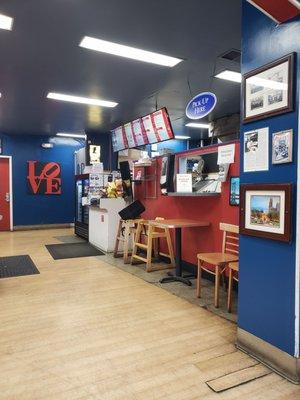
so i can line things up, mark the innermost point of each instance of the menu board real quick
(152, 128)
(162, 124)
(119, 141)
(130, 135)
(139, 132)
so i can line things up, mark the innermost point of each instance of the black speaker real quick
(133, 211)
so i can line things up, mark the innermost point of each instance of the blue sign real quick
(201, 105)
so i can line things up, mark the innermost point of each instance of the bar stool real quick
(125, 234)
(233, 275)
(153, 235)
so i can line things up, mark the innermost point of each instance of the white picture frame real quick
(282, 147)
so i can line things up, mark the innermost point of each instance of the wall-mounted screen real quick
(152, 128)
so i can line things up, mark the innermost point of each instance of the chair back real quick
(230, 243)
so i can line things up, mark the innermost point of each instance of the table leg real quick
(178, 273)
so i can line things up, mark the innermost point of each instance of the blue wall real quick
(41, 209)
(267, 268)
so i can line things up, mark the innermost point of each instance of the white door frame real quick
(11, 206)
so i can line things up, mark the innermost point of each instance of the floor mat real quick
(17, 266)
(72, 250)
(70, 239)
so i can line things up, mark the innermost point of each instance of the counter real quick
(103, 223)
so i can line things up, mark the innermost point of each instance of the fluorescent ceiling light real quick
(230, 76)
(81, 100)
(128, 52)
(6, 22)
(183, 137)
(72, 135)
(197, 125)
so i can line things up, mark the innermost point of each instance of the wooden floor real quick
(83, 329)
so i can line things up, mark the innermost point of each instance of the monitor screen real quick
(152, 128)
(119, 140)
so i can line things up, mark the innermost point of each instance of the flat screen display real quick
(139, 132)
(119, 140)
(152, 128)
(131, 140)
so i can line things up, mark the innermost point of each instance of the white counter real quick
(103, 223)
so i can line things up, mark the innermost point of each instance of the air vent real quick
(232, 55)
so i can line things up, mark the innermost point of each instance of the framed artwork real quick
(282, 147)
(234, 197)
(268, 90)
(265, 211)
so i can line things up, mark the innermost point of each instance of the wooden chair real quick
(219, 261)
(233, 275)
(125, 235)
(151, 245)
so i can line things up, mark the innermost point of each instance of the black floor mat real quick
(72, 250)
(17, 266)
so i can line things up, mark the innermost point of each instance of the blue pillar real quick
(268, 321)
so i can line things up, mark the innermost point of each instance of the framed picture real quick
(266, 211)
(282, 147)
(234, 197)
(268, 90)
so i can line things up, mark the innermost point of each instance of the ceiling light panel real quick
(81, 100)
(6, 22)
(197, 125)
(72, 135)
(230, 76)
(182, 137)
(128, 52)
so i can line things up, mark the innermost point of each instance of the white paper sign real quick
(226, 154)
(256, 150)
(184, 183)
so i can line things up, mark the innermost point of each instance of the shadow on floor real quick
(178, 289)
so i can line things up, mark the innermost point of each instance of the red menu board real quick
(162, 125)
(150, 129)
(130, 135)
(153, 128)
(139, 132)
(119, 141)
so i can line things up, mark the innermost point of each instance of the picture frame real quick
(265, 211)
(234, 195)
(269, 90)
(282, 147)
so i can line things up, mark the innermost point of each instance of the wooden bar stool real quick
(151, 245)
(219, 261)
(233, 275)
(125, 235)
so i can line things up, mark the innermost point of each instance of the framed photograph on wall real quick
(234, 196)
(268, 90)
(265, 211)
(282, 147)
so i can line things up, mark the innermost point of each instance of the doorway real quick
(6, 219)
